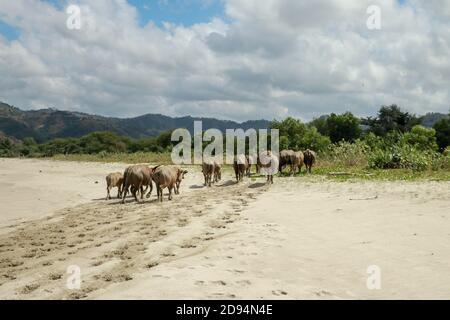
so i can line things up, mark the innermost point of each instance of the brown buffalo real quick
(292, 159)
(208, 171)
(168, 177)
(180, 177)
(300, 158)
(251, 159)
(240, 165)
(114, 180)
(310, 159)
(269, 164)
(217, 171)
(136, 178)
(287, 158)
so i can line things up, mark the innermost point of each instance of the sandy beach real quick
(300, 238)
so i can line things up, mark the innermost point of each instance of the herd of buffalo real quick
(139, 178)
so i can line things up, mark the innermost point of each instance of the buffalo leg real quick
(135, 191)
(158, 192)
(150, 192)
(124, 192)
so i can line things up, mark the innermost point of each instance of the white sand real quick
(294, 239)
(31, 188)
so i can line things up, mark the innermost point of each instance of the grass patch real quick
(345, 173)
(138, 157)
(325, 168)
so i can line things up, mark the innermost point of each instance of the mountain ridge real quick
(47, 124)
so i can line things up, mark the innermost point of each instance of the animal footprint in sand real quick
(29, 288)
(279, 292)
(151, 265)
(322, 293)
(188, 244)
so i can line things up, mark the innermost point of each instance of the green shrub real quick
(401, 157)
(373, 141)
(440, 161)
(442, 128)
(298, 136)
(421, 138)
(380, 159)
(349, 154)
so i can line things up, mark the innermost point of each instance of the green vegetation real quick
(298, 136)
(442, 128)
(391, 118)
(389, 146)
(339, 127)
(96, 144)
(136, 157)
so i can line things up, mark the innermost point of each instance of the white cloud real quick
(274, 58)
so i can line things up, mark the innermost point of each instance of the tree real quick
(296, 135)
(343, 127)
(442, 128)
(321, 124)
(422, 138)
(291, 129)
(164, 140)
(314, 140)
(7, 148)
(392, 118)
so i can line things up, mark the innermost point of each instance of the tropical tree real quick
(442, 128)
(343, 127)
(391, 118)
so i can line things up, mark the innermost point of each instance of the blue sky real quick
(268, 60)
(183, 12)
(8, 31)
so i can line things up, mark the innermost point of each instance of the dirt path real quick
(111, 242)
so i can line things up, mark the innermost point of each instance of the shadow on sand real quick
(227, 183)
(257, 185)
(197, 186)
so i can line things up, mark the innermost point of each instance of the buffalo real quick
(310, 159)
(114, 180)
(269, 164)
(168, 177)
(240, 166)
(136, 178)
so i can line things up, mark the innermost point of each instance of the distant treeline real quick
(93, 143)
(334, 128)
(394, 138)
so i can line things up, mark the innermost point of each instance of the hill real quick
(47, 124)
(430, 119)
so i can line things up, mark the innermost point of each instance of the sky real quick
(228, 59)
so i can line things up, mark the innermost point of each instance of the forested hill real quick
(47, 124)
